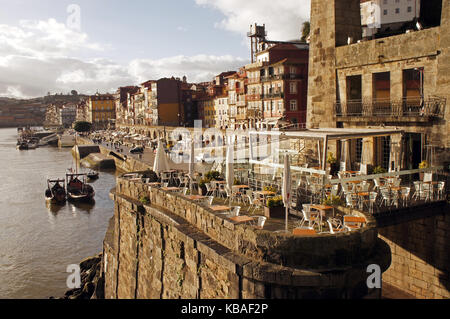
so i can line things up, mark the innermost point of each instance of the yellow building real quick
(101, 109)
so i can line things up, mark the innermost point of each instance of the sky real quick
(99, 45)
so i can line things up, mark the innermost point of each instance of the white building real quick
(377, 14)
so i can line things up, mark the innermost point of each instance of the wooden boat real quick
(56, 193)
(77, 188)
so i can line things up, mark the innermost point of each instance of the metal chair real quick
(260, 221)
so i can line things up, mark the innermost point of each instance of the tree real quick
(82, 126)
(74, 92)
(305, 31)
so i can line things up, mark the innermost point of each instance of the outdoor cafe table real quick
(195, 197)
(322, 210)
(170, 189)
(242, 219)
(220, 208)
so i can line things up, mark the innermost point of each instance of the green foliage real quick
(82, 126)
(424, 164)
(144, 200)
(333, 200)
(305, 31)
(378, 170)
(212, 175)
(275, 201)
(270, 189)
(331, 159)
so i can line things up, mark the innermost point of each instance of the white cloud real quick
(35, 58)
(197, 68)
(283, 19)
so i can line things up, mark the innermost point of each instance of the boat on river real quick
(78, 190)
(56, 191)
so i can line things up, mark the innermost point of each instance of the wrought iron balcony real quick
(272, 95)
(382, 108)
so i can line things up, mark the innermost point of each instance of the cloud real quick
(197, 68)
(283, 19)
(182, 29)
(37, 57)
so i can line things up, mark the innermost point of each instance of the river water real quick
(37, 242)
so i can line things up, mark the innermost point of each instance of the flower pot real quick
(274, 212)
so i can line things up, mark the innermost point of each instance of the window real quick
(385, 12)
(384, 1)
(292, 70)
(397, 1)
(397, 10)
(293, 87)
(293, 105)
(409, 9)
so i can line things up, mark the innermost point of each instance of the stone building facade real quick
(397, 81)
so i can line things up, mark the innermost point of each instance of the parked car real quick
(137, 150)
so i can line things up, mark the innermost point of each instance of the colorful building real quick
(101, 108)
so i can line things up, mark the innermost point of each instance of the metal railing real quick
(432, 106)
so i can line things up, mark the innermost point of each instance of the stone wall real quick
(420, 255)
(331, 61)
(175, 248)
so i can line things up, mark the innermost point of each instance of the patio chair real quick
(386, 196)
(335, 226)
(365, 185)
(208, 200)
(255, 203)
(353, 222)
(209, 189)
(396, 182)
(377, 183)
(165, 178)
(373, 196)
(404, 193)
(351, 200)
(440, 190)
(235, 211)
(309, 217)
(259, 221)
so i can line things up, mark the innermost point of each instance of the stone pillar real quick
(443, 76)
(367, 91)
(396, 93)
(332, 22)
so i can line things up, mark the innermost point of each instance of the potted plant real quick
(379, 170)
(333, 200)
(422, 165)
(332, 164)
(274, 207)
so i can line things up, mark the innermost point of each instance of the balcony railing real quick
(431, 107)
(240, 103)
(253, 97)
(275, 77)
(272, 95)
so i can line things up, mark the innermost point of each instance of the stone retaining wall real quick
(174, 248)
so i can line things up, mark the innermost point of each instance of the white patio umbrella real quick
(229, 168)
(191, 165)
(161, 162)
(286, 190)
(345, 154)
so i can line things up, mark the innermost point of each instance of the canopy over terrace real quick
(325, 135)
